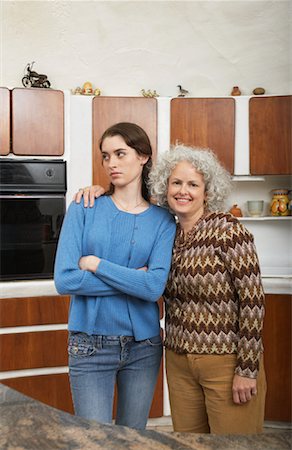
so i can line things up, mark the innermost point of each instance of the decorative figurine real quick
(87, 88)
(235, 211)
(235, 91)
(182, 92)
(97, 92)
(77, 91)
(34, 79)
(258, 91)
(149, 93)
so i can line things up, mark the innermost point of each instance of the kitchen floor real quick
(165, 424)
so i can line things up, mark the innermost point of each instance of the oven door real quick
(29, 231)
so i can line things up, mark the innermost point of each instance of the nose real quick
(183, 189)
(112, 161)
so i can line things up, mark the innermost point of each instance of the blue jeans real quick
(97, 363)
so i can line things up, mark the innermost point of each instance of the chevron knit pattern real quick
(214, 295)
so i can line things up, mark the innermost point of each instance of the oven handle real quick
(23, 196)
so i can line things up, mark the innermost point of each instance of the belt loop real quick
(99, 342)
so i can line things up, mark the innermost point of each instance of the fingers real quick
(243, 389)
(241, 397)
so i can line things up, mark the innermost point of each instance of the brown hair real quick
(136, 138)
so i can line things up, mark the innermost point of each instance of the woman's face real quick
(121, 162)
(186, 191)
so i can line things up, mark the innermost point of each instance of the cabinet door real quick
(5, 121)
(37, 122)
(270, 134)
(277, 357)
(205, 122)
(110, 110)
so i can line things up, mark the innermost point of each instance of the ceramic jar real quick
(235, 211)
(279, 203)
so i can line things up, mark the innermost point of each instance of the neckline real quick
(115, 208)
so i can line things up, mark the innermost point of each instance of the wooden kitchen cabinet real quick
(270, 135)
(37, 122)
(277, 357)
(4, 121)
(205, 122)
(110, 110)
(44, 349)
(28, 350)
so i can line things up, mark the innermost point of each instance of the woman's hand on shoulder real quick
(243, 389)
(89, 194)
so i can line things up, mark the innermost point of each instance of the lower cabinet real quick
(277, 357)
(33, 348)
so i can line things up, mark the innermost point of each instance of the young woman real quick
(114, 259)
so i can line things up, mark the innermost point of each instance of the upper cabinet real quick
(110, 110)
(5, 121)
(205, 122)
(270, 131)
(37, 122)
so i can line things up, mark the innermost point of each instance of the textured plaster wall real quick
(121, 46)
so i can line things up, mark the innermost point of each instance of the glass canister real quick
(280, 202)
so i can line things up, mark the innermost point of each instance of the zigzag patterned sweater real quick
(214, 295)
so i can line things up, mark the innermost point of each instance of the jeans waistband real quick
(98, 340)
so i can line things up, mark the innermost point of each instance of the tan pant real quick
(200, 392)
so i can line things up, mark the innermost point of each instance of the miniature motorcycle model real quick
(34, 79)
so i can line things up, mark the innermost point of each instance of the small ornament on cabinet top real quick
(34, 79)
(149, 93)
(235, 91)
(87, 89)
(182, 92)
(259, 91)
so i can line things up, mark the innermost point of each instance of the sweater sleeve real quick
(146, 285)
(242, 263)
(69, 278)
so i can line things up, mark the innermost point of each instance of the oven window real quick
(30, 229)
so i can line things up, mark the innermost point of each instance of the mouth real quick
(115, 174)
(182, 200)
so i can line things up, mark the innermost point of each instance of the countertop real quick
(26, 424)
(273, 284)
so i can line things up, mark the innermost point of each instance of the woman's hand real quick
(89, 263)
(243, 389)
(89, 194)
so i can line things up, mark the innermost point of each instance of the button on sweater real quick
(117, 299)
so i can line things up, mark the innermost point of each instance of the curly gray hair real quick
(217, 179)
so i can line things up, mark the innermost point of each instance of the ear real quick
(143, 159)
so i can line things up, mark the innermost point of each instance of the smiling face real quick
(186, 192)
(121, 162)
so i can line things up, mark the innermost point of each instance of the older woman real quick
(214, 300)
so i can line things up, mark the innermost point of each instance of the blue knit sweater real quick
(117, 299)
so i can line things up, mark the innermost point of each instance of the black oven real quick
(32, 209)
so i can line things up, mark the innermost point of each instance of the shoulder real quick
(228, 227)
(162, 214)
(79, 208)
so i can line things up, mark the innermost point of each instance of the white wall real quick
(121, 46)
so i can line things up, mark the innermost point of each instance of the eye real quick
(104, 156)
(121, 153)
